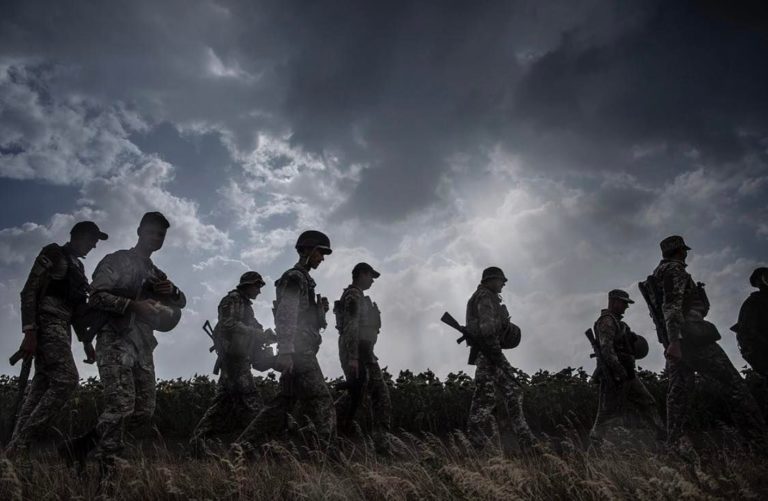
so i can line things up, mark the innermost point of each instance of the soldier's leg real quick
(380, 401)
(145, 390)
(638, 396)
(116, 374)
(713, 363)
(317, 403)
(607, 411)
(481, 424)
(246, 401)
(212, 417)
(37, 387)
(272, 419)
(58, 379)
(513, 399)
(681, 384)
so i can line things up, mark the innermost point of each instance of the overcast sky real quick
(558, 140)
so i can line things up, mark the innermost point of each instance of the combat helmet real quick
(493, 272)
(639, 346)
(251, 278)
(313, 239)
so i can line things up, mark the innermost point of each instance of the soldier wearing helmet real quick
(299, 317)
(691, 347)
(237, 335)
(620, 389)
(488, 321)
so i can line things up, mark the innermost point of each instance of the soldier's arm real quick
(106, 278)
(606, 332)
(177, 298)
(486, 312)
(351, 333)
(229, 313)
(287, 314)
(38, 275)
(674, 282)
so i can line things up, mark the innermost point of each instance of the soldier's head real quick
(759, 278)
(83, 237)
(618, 301)
(674, 247)
(251, 284)
(313, 246)
(363, 275)
(152, 230)
(494, 279)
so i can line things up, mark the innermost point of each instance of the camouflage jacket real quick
(614, 338)
(752, 329)
(118, 280)
(56, 285)
(359, 323)
(298, 315)
(680, 295)
(237, 324)
(486, 317)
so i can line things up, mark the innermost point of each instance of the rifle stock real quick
(448, 319)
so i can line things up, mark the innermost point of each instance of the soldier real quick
(53, 299)
(359, 323)
(752, 327)
(619, 386)
(299, 317)
(691, 347)
(236, 335)
(488, 322)
(135, 298)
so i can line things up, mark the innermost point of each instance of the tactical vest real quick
(311, 315)
(622, 343)
(370, 321)
(73, 287)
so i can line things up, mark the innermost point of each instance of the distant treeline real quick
(555, 403)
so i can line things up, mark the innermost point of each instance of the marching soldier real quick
(359, 323)
(488, 322)
(752, 327)
(54, 299)
(236, 335)
(691, 347)
(135, 298)
(299, 317)
(619, 386)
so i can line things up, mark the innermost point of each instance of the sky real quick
(560, 141)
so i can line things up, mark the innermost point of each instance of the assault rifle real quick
(26, 367)
(602, 371)
(209, 330)
(466, 336)
(653, 299)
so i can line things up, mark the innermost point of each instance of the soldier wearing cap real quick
(358, 320)
(54, 299)
(299, 318)
(236, 335)
(620, 389)
(487, 320)
(752, 327)
(691, 347)
(132, 295)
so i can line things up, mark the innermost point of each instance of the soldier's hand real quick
(144, 307)
(164, 287)
(674, 351)
(90, 353)
(354, 368)
(284, 363)
(29, 343)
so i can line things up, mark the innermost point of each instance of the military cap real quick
(364, 268)
(154, 218)
(673, 243)
(312, 239)
(759, 277)
(88, 227)
(250, 278)
(493, 272)
(621, 295)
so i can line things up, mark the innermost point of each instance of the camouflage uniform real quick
(298, 320)
(684, 306)
(619, 386)
(486, 320)
(752, 327)
(55, 289)
(124, 346)
(237, 400)
(359, 325)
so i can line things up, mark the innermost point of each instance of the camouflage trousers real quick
(55, 379)
(374, 391)
(709, 361)
(304, 388)
(128, 378)
(235, 404)
(490, 379)
(627, 398)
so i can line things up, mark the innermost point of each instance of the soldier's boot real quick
(77, 449)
